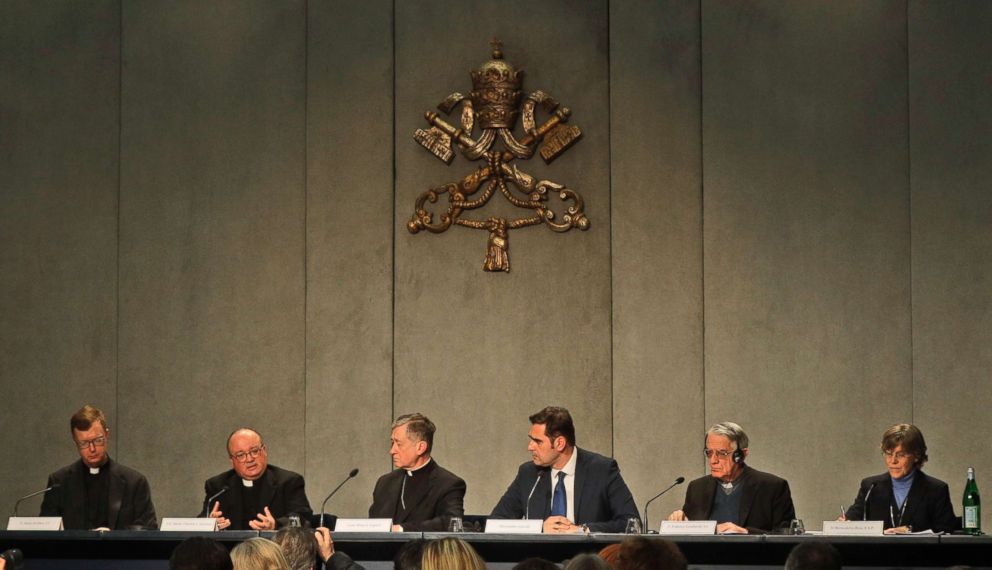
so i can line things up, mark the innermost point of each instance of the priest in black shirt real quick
(254, 495)
(419, 495)
(97, 492)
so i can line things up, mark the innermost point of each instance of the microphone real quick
(678, 481)
(35, 494)
(324, 504)
(14, 559)
(864, 514)
(206, 504)
(532, 489)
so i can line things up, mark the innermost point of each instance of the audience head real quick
(200, 553)
(258, 554)
(609, 553)
(639, 553)
(409, 556)
(451, 554)
(298, 546)
(813, 556)
(587, 562)
(535, 564)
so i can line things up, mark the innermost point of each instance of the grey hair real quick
(731, 431)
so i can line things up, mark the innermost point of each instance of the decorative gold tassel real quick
(497, 256)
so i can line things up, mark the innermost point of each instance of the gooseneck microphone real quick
(532, 489)
(864, 513)
(350, 476)
(678, 481)
(206, 504)
(35, 494)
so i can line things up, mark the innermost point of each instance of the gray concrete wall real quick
(203, 218)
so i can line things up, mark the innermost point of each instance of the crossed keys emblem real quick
(494, 104)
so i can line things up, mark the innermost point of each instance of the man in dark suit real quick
(97, 492)
(742, 500)
(905, 497)
(419, 495)
(570, 488)
(256, 495)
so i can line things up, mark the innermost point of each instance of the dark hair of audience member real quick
(200, 553)
(299, 546)
(535, 564)
(813, 556)
(587, 562)
(609, 553)
(451, 553)
(409, 555)
(639, 553)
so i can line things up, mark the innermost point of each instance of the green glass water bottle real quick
(972, 505)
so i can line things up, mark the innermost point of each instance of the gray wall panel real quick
(480, 352)
(806, 236)
(657, 246)
(349, 249)
(951, 56)
(212, 237)
(58, 231)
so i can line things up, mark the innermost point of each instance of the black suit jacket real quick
(130, 497)
(928, 504)
(602, 500)
(281, 490)
(445, 499)
(766, 501)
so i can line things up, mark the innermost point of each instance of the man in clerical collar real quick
(570, 488)
(739, 498)
(254, 495)
(419, 495)
(97, 492)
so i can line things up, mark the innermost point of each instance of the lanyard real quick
(902, 511)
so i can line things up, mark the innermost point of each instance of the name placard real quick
(514, 526)
(853, 528)
(199, 524)
(363, 525)
(34, 523)
(688, 527)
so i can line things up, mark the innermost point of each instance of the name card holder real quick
(198, 524)
(688, 527)
(34, 523)
(514, 526)
(853, 528)
(363, 525)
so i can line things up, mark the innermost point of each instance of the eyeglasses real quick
(95, 442)
(242, 456)
(722, 454)
(899, 456)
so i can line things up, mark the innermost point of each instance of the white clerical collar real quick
(569, 467)
(94, 470)
(409, 472)
(247, 483)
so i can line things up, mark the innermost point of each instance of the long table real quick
(151, 549)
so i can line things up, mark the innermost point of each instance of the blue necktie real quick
(559, 504)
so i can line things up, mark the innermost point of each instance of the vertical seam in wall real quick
(609, 158)
(392, 315)
(120, 152)
(702, 225)
(306, 220)
(909, 195)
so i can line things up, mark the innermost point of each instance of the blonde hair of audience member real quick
(451, 554)
(258, 554)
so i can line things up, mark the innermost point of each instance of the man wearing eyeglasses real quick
(254, 495)
(740, 498)
(97, 492)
